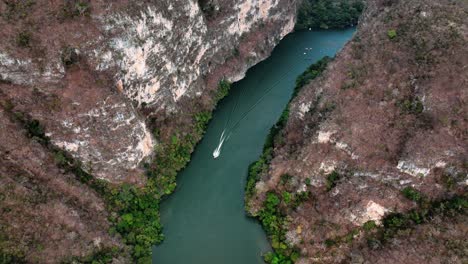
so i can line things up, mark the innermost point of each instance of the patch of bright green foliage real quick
(287, 197)
(328, 14)
(270, 215)
(392, 34)
(274, 224)
(223, 89)
(412, 194)
(332, 179)
(369, 225)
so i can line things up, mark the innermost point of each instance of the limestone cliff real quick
(95, 89)
(87, 69)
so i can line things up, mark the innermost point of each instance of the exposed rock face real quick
(103, 62)
(46, 214)
(100, 76)
(390, 112)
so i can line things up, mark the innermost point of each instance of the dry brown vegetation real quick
(389, 113)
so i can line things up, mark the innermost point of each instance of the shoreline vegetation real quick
(133, 211)
(312, 14)
(325, 14)
(270, 216)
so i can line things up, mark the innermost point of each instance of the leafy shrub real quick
(201, 121)
(138, 220)
(35, 129)
(369, 225)
(287, 197)
(392, 34)
(326, 14)
(300, 198)
(332, 179)
(23, 39)
(412, 194)
(411, 106)
(223, 89)
(312, 72)
(330, 242)
(285, 178)
(274, 223)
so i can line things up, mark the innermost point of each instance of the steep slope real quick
(96, 96)
(372, 144)
(103, 65)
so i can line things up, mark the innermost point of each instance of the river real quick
(204, 220)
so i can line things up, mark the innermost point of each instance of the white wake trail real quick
(217, 151)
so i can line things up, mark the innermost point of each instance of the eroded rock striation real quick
(86, 70)
(106, 85)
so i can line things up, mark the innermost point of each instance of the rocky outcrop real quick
(382, 131)
(46, 214)
(93, 90)
(94, 72)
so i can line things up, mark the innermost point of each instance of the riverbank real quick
(204, 220)
(368, 167)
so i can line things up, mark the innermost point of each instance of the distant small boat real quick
(217, 151)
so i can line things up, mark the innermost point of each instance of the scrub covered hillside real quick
(101, 104)
(368, 164)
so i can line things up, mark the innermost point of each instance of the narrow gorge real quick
(127, 130)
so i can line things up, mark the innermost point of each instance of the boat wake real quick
(232, 128)
(217, 151)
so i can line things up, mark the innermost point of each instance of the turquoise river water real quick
(204, 220)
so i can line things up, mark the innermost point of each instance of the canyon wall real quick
(374, 144)
(95, 89)
(87, 69)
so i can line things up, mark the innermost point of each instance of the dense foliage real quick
(326, 14)
(397, 222)
(273, 222)
(271, 217)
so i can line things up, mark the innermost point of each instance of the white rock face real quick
(101, 152)
(157, 54)
(412, 169)
(162, 55)
(324, 136)
(156, 48)
(22, 71)
(372, 212)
